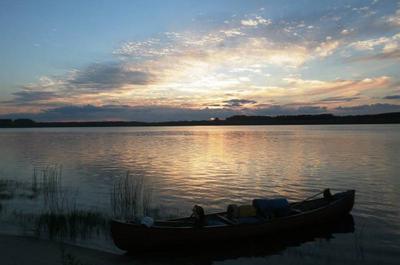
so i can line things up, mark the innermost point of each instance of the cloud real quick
(226, 65)
(95, 82)
(392, 55)
(124, 113)
(165, 113)
(102, 76)
(378, 49)
(394, 19)
(233, 32)
(386, 43)
(346, 31)
(367, 109)
(392, 97)
(293, 92)
(238, 102)
(29, 96)
(369, 44)
(327, 48)
(339, 99)
(320, 90)
(258, 20)
(275, 110)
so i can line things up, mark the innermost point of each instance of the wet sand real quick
(18, 250)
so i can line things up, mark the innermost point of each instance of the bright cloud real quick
(327, 48)
(395, 19)
(246, 63)
(258, 20)
(378, 48)
(297, 91)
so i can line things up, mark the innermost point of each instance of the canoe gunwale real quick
(133, 236)
(277, 219)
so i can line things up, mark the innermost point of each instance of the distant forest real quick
(234, 120)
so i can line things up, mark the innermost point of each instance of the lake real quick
(216, 166)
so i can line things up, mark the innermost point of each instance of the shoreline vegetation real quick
(56, 215)
(320, 119)
(64, 233)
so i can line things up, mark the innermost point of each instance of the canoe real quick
(254, 247)
(218, 228)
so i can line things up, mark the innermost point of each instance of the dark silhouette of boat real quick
(256, 247)
(219, 228)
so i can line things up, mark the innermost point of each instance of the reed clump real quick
(7, 189)
(130, 197)
(60, 217)
(54, 195)
(72, 224)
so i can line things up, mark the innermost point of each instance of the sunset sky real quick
(191, 60)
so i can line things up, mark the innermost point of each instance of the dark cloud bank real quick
(151, 114)
(108, 75)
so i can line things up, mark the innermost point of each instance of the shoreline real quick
(193, 125)
(25, 250)
(237, 120)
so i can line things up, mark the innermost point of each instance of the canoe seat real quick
(295, 211)
(226, 220)
(250, 220)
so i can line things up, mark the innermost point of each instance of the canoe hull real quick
(134, 237)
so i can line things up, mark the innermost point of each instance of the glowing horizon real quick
(260, 58)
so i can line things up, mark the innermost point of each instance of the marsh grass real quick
(55, 198)
(7, 189)
(58, 217)
(130, 197)
(45, 182)
(25, 221)
(34, 184)
(359, 242)
(72, 224)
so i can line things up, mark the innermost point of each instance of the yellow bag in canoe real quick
(247, 211)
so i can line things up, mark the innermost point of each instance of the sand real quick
(18, 250)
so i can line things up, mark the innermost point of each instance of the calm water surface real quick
(216, 166)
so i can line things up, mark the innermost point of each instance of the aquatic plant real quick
(34, 185)
(359, 242)
(72, 224)
(24, 221)
(7, 189)
(54, 196)
(59, 216)
(130, 197)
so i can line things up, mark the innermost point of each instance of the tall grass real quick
(35, 184)
(72, 224)
(359, 242)
(54, 195)
(59, 216)
(130, 197)
(7, 189)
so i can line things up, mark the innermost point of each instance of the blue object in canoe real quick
(266, 207)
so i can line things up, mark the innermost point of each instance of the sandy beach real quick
(19, 250)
